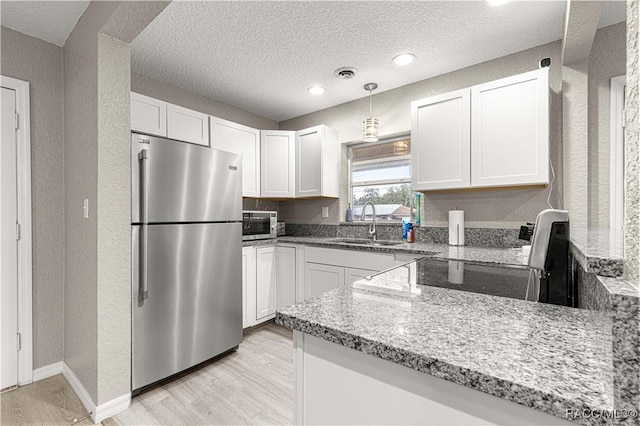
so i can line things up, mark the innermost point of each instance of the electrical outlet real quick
(325, 212)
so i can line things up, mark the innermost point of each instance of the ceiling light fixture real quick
(316, 90)
(370, 126)
(404, 59)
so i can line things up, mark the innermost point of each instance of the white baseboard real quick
(47, 371)
(111, 408)
(102, 411)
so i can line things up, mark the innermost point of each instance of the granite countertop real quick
(503, 256)
(547, 357)
(600, 251)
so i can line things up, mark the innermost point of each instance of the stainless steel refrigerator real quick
(186, 233)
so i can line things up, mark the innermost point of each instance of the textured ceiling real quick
(51, 21)
(262, 56)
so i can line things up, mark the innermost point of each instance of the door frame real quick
(616, 180)
(25, 279)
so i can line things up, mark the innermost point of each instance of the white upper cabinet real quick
(510, 131)
(317, 162)
(243, 140)
(187, 125)
(440, 141)
(278, 164)
(148, 115)
(490, 135)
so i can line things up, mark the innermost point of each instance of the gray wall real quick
(40, 63)
(160, 90)
(607, 60)
(503, 207)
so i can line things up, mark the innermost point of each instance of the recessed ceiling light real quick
(404, 59)
(496, 2)
(316, 90)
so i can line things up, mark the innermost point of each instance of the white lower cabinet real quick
(319, 278)
(268, 282)
(266, 279)
(286, 273)
(326, 269)
(248, 286)
(352, 275)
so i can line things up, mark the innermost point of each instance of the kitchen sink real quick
(366, 242)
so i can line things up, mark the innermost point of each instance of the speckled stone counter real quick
(599, 251)
(509, 256)
(546, 357)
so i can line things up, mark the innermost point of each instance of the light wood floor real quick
(252, 386)
(50, 401)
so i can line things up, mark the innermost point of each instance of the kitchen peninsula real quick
(362, 356)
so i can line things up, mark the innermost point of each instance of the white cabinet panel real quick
(278, 163)
(243, 140)
(320, 278)
(510, 131)
(187, 125)
(317, 162)
(148, 115)
(248, 286)
(440, 141)
(286, 274)
(354, 274)
(266, 278)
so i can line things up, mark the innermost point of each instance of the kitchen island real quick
(369, 356)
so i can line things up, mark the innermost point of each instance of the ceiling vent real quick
(345, 73)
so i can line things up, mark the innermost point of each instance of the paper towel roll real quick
(456, 227)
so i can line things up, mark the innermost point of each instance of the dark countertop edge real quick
(556, 405)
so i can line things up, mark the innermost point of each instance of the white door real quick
(440, 141)
(286, 273)
(187, 125)
(309, 162)
(278, 164)
(248, 286)
(8, 243)
(266, 277)
(148, 115)
(352, 275)
(319, 278)
(243, 140)
(510, 131)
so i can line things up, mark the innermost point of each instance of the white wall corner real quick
(47, 371)
(102, 411)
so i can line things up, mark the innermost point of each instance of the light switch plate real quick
(325, 212)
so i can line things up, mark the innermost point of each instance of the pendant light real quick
(370, 126)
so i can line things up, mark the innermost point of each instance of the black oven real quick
(257, 225)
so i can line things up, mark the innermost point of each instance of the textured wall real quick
(632, 149)
(511, 207)
(81, 177)
(575, 117)
(607, 60)
(40, 63)
(160, 90)
(114, 226)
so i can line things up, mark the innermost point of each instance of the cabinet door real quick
(510, 131)
(266, 278)
(277, 166)
(187, 125)
(440, 141)
(309, 162)
(243, 140)
(248, 286)
(286, 273)
(354, 274)
(148, 115)
(320, 278)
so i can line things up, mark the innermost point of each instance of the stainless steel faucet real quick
(372, 227)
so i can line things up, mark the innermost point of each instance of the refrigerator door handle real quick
(143, 157)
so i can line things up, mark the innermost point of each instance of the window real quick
(381, 173)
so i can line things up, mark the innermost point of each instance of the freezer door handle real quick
(143, 157)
